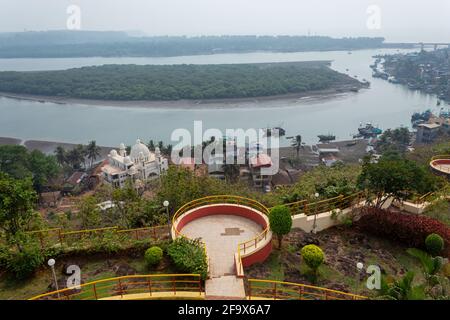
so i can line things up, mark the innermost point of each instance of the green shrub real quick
(51, 215)
(69, 214)
(189, 256)
(434, 244)
(409, 229)
(4, 255)
(108, 242)
(313, 256)
(280, 220)
(153, 256)
(23, 264)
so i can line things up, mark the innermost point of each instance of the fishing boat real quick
(368, 131)
(278, 131)
(444, 114)
(326, 137)
(418, 118)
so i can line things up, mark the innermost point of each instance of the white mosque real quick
(141, 165)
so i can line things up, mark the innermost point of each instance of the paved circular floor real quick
(221, 235)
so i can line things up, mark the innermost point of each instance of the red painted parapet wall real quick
(222, 209)
(236, 210)
(440, 162)
(258, 256)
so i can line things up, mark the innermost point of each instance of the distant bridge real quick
(435, 44)
(422, 45)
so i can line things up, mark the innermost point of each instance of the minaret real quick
(122, 150)
(158, 159)
(142, 161)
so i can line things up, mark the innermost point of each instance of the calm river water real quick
(384, 104)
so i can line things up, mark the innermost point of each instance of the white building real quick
(140, 165)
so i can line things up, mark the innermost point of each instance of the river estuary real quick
(384, 104)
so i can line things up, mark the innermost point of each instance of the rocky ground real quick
(343, 248)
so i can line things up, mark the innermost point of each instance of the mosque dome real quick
(137, 149)
(113, 153)
(127, 160)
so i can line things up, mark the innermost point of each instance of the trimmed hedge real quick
(409, 229)
(280, 220)
(434, 243)
(153, 256)
(313, 256)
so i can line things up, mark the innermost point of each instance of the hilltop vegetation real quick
(57, 44)
(174, 82)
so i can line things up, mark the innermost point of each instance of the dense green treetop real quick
(19, 163)
(174, 82)
(395, 176)
(17, 200)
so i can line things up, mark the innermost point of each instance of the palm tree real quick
(231, 172)
(168, 150)
(92, 151)
(83, 154)
(76, 156)
(402, 289)
(431, 265)
(61, 155)
(297, 143)
(151, 145)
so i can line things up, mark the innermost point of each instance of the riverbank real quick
(264, 101)
(350, 150)
(49, 147)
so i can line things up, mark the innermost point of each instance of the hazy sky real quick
(401, 20)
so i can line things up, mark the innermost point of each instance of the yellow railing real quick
(424, 198)
(339, 202)
(244, 247)
(141, 286)
(441, 157)
(51, 237)
(279, 290)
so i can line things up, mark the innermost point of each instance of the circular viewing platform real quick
(441, 165)
(235, 231)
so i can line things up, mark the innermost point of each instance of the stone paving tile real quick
(226, 286)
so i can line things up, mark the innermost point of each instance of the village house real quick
(257, 163)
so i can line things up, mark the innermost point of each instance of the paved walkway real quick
(221, 235)
(230, 287)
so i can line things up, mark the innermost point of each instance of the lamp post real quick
(166, 205)
(315, 214)
(359, 267)
(51, 264)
